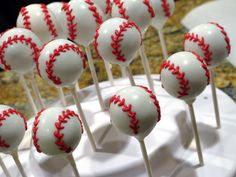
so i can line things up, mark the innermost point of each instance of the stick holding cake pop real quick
(108, 68)
(4, 168)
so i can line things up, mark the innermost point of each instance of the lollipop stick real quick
(163, 44)
(129, 73)
(14, 154)
(196, 135)
(28, 94)
(71, 160)
(62, 96)
(77, 86)
(145, 158)
(4, 168)
(215, 101)
(82, 116)
(109, 73)
(94, 76)
(146, 68)
(123, 71)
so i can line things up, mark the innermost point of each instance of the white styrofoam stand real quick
(170, 146)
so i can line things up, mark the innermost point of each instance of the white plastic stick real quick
(196, 135)
(94, 76)
(77, 86)
(14, 154)
(131, 78)
(146, 68)
(163, 44)
(82, 116)
(71, 160)
(215, 101)
(28, 94)
(109, 73)
(123, 72)
(4, 168)
(145, 158)
(62, 96)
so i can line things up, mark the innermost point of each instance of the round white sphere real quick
(81, 19)
(56, 131)
(105, 6)
(12, 128)
(138, 11)
(163, 10)
(184, 75)
(135, 111)
(19, 50)
(210, 41)
(61, 63)
(39, 19)
(117, 40)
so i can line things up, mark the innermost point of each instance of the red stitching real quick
(56, 53)
(71, 24)
(155, 101)
(122, 9)
(26, 18)
(184, 83)
(127, 108)
(201, 43)
(66, 115)
(227, 40)
(92, 8)
(3, 143)
(95, 43)
(108, 6)
(48, 20)
(35, 129)
(150, 9)
(166, 8)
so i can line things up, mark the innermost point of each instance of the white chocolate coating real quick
(210, 42)
(12, 128)
(52, 123)
(39, 19)
(163, 10)
(134, 10)
(20, 48)
(67, 63)
(143, 106)
(117, 40)
(184, 76)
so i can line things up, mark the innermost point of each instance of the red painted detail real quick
(93, 9)
(108, 7)
(200, 41)
(71, 24)
(3, 143)
(95, 43)
(127, 108)
(150, 9)
(155, 101)
(56, 53)
(227, 40)
(62, 119)
(122, 9)
(175, 70)
(48, 20)
(35, 129)
(26, 18)
(166, 7)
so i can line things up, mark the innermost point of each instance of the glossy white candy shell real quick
(142, 104)
(19, 55)
(68, 65)
(12, 130)
(103, 5)
(212, 36)
(194, 73)
(129, 45)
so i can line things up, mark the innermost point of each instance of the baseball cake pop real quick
(105, 6)
(127, 114)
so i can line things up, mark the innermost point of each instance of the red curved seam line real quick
(95, 43)
(122, 9)
(56, 53)
(202, 44)
(26, 18)
(166, 8)
(48, 20)
(66, 115)
(226, 38)
(93, 9)
(108, 7)
(180, 76)
(71, 24)
(150, 9)
(35, 129)
(3, 143)
(127, 108)
(155, 101)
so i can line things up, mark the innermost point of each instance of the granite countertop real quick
(12, 93)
